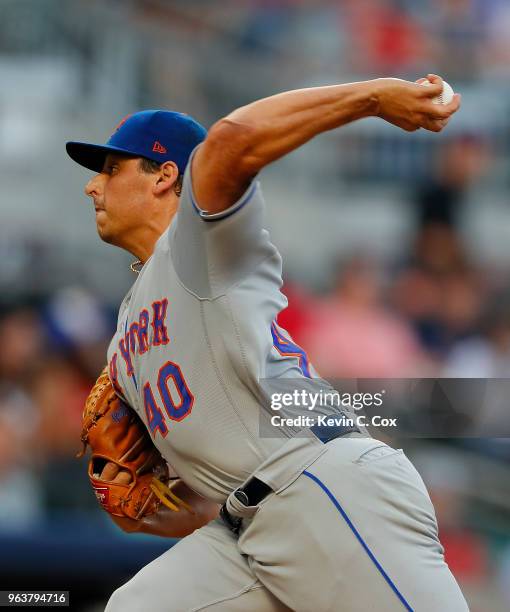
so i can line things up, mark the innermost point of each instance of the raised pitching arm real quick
(251, 137)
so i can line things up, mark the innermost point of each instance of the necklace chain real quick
(136, 266)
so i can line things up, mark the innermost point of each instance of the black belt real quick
(326, 433)
(254, 491)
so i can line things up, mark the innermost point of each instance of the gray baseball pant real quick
(354, 531)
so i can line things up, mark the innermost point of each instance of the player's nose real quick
(93, 187)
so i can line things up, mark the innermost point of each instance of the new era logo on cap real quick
(142, 134)
(157, 147)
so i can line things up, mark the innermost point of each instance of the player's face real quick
(121, 195)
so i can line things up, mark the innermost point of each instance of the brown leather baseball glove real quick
(118, 438)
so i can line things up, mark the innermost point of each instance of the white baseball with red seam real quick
(445, 97)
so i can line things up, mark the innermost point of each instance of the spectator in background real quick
(48, 361)
(458, 165)
(78, 326)
(79, 330)
(486, 355)
(21, 499)
(354, 335)
(59, 392)
(439, 290)
(21, 345)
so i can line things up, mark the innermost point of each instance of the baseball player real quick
(318, 521)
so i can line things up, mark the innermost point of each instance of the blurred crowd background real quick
(396, 246)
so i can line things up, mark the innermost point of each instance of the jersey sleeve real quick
(213, 252)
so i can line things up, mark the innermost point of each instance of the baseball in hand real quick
(445, 97)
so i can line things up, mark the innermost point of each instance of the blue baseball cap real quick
(155, 134)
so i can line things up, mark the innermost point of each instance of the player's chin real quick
(105, 232)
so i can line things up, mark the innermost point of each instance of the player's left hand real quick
(127, 472)
(113, 473)
(410, 106)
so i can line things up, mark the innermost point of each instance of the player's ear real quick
(166, 178)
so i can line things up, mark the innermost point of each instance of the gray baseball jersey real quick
(197, 332)
(349, 525)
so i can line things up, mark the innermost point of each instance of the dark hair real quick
(149, 166)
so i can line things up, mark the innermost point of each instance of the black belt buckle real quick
(253, 492)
